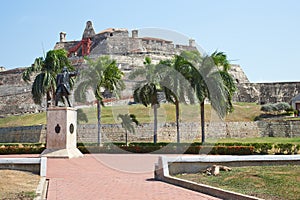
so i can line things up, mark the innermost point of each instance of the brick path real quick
(101, 177)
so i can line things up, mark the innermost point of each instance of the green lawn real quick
(23, 120)
(166, 113)
(268, 182)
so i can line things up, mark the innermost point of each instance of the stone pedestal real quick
(61, 136)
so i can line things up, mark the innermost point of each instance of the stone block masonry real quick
(15, 94)
(23, 134)
(263, 93)
(279, 128)
(87, 133)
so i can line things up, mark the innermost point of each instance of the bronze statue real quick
(63, 88)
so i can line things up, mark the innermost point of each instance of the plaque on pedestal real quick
(61, 139)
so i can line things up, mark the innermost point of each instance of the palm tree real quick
(146, 91)
(126, 121)
(207, 83)
(47, 70)
(221, 61)
(175, 85)
(101, 75)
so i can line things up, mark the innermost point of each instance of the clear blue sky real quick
(263, 36)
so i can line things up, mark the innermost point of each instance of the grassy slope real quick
(23, 120)
(166, 113)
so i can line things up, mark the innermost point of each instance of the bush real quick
(282, 106)
(169, 148)
(21, 150)
(162, 148)
(262, 148)
(267, 108)
(276, 107)
(284, 148)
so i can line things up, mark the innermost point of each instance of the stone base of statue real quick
(61, 135)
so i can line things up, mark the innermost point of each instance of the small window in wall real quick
(111, 34)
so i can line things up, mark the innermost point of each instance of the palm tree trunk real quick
(99, 121)
(177, 121)
(155, 123)
(126, 138)
(202, 122)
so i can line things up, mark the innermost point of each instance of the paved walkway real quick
(110, 177)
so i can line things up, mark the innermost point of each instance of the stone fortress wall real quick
(15, 94)
(166, 132)
(262, 93)
(130, 52)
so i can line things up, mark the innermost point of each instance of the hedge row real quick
(218, 150)
(258, 148)
(170, 148)
(21, 145)
(21, 150)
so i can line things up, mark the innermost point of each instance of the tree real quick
(175, 85)
(101, 75)
(146, 91)
(127, 121)
(221, 61)
(47, 70)
(207, 83)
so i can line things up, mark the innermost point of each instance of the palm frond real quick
(102, 74)
(38, 91)
(35, 67)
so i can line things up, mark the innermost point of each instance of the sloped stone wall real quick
(15, 94)
(267, 92)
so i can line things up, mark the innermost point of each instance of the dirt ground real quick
(17, 185)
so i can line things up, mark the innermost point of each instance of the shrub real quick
(284, 148)
(262, 148)
(296, 148)
(21, 150)
(267, 108)
(276, 107)
(232, 150)
(282, 106)
(169, 148)
(162, 148)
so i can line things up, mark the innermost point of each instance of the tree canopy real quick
(47, 70)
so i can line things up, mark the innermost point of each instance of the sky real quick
(263, 36)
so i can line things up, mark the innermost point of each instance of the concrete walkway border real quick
(35, 165)
(168, 166)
